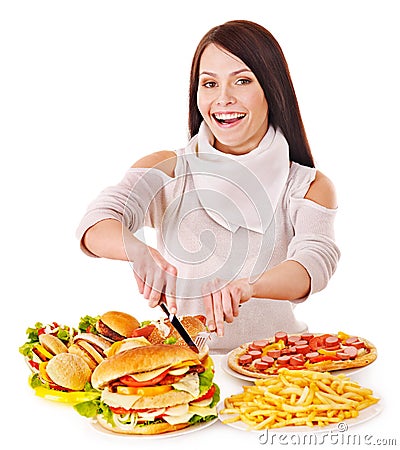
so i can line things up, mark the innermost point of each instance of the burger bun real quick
(69, 371)
(52, 344)
(153, 428)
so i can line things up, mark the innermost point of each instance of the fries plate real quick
(364, 416)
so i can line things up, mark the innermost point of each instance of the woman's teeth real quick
(227, 118)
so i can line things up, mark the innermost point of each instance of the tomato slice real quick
(144, 331)
(129, 381)
(209, 394)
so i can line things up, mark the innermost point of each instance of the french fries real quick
(297, 397)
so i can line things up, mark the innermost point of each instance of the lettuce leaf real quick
(206, 380)
(87, 324)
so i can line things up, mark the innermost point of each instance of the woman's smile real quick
(228, 118)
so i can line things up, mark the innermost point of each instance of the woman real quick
(241, 214)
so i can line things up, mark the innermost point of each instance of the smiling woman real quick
(231, 101)
(242, 215)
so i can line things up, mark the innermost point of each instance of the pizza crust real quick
(323, 366)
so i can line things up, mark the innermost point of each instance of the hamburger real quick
(45, 341)
(153, 389)
(91, 347)
(67, 371)
(64, 372)
(116, 325)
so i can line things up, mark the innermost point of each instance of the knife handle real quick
(163, 306)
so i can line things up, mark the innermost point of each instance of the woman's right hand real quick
(155, 276)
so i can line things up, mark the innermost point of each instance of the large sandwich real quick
(153, 389)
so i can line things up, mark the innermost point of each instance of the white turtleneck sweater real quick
(203, 248)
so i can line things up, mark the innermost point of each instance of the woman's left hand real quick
(222, 300)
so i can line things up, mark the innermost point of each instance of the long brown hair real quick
(260, 51)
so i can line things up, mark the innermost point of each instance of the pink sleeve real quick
(313, 244)
(130, 202)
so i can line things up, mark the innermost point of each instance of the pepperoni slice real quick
(274, 353)
(350, 340)
(254, 354)
(252, 347)
(307, 336)
(281, 336)
(312, 355)
(301, 342)
(352, 351)
(245, 359)
(358, 344)
(303, 349)
(259, 345)
(283, 359)
(261, 365)
(331, 341)
(293, 339)
(296, 360)
(318, 342)
(267, 359)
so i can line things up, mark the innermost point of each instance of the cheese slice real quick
(193, 410)
(146, 376)
(174, 420)
(202, 403)
(119, 400)
(203, 411)
(126, 344)
(190, 383)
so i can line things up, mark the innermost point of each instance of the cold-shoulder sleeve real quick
(133, 201)
(313, 244)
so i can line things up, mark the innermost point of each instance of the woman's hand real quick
(155, 277)
(222, 300)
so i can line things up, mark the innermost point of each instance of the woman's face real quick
(231, 101)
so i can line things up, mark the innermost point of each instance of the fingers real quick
(209, 308)
(221, 305)
(155, 277)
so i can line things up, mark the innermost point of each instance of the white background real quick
(88, 87)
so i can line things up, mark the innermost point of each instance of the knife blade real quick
(175, 322)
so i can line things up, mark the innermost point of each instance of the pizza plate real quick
(225, 367)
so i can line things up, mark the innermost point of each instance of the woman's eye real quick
(243, 81)
(209, 84)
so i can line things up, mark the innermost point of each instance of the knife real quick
(175, 322)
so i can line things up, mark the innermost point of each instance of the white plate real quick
(191, 429)
(229, 371)
(364, 415)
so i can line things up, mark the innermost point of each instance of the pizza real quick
(319, 352)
